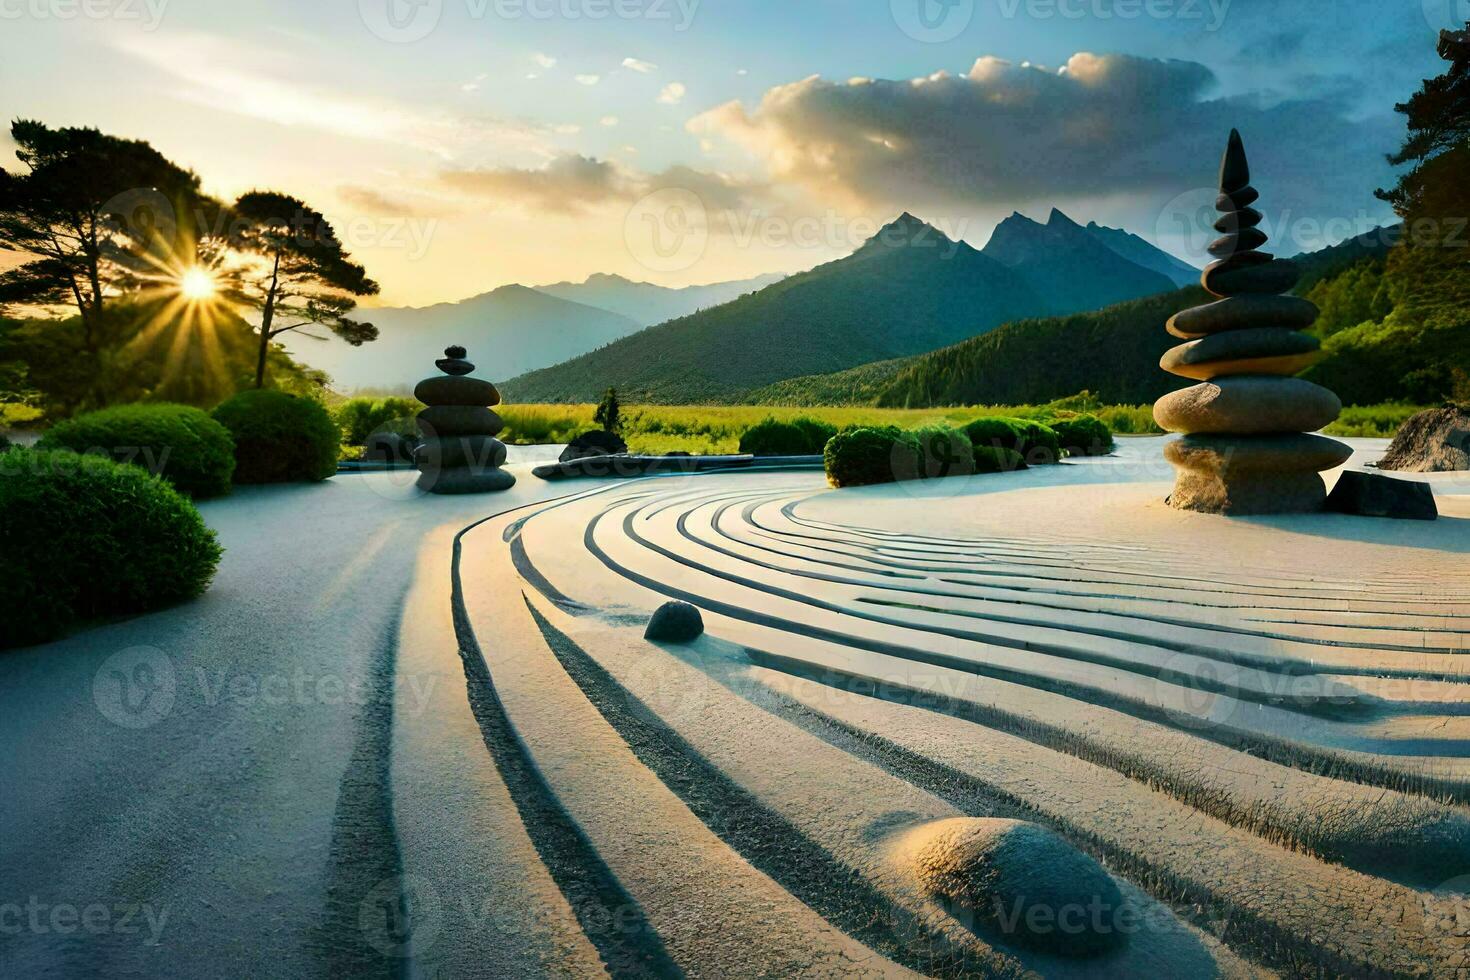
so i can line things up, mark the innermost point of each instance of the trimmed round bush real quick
(84, 536)
(994, 431)
(1036, 442)
(280, 438)
(177, 442)
(988, 459)
(1083, 435)
(801, 436)
(859, 457)
(944, 451)
(1039, 443)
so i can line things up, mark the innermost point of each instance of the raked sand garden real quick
(1033, 723)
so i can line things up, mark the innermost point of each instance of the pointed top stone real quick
(1235, 172)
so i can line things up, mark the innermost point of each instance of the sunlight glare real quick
(197, 284)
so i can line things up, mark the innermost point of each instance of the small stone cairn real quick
(1247, 447)
(459, 453)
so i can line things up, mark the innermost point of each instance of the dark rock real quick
(475, 452)
(1259, 342)
(595, 442)
(1237, 200)
(459, 420)
(453, 390)
(1435, 441)
(1264, 350)
(464, 480)
(1235, 171)
(1241, 313)
(1012, 876)
(1230, 277)
(1375, 495)
(1238, 218)
(674, 622)
(389, 447)
(453, 361)
(1248, 405)
(1257, 454)
(1243, 240)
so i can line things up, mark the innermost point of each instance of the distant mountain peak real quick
(1057, 220)
(905, 230)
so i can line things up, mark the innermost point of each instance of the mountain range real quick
(907, 290)
(508, 331)
(1113, 352)
(646, 303)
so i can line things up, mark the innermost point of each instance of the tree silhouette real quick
(609, 413)
(301, 273)
(88, 209)
(1438, 144)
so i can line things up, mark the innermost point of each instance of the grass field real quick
(717, 428)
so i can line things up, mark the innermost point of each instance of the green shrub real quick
(994, 431)
(944, 451)
(359, 418)
(1033, 440)
(1381, 421)
(1083, 435)
(858, 457)
(84, 536)
(801, 436)
(179, 443)
(1039, 443)
(280, 437)
(991, 460)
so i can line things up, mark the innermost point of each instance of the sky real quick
(459, 145)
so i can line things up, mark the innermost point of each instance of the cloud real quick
(237, 78)
(588, 79)
(672, 93)
(608, 120)
(639, 66)
(572, 183)
(544, 60)
(374, 202)
(1005, 135)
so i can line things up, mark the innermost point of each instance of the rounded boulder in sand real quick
(1019, 880)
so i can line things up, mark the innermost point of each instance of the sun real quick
(197, 285)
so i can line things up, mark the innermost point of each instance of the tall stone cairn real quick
(1247, 447)
(459, 453)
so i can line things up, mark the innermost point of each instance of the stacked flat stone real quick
(1247, 447)
(459, 453)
